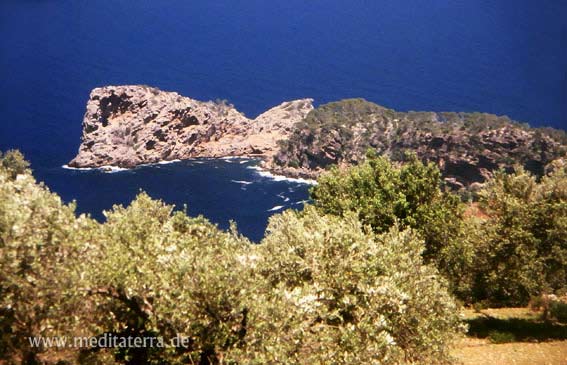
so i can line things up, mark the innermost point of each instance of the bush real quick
(522, 247)
(159, 273)
(501, 337)
(558, 311)
(383, 194)
(345, 296)
(14, 164)
(39, 237)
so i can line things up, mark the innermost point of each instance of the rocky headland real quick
(126, 126)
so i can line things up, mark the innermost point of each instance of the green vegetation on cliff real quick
(465, 146)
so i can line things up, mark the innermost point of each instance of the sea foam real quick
(105, 169)
(274, 177)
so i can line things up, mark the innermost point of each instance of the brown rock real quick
(127, 126)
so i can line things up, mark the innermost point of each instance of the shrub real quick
(558, 311)
(522, 248)
(383, 194)
(345, 296)
(14, 164)
(159, 273)
(501, 337)
(39, 236)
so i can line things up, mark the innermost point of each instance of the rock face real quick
(127, 126)
(467, 147)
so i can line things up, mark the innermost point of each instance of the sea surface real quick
(498, 56)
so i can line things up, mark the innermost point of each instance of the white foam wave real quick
(242, 182)
(281, 195)
(168, 162)
(277, 207)
(269, 175)
(300, 202)
(79, 168)
(105, 168)
(165, 162)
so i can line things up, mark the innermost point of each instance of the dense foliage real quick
(384, 194)
(39, 236)
(510, 247)
(522, 247)
(318, 289)
(14, 163)
(159, 273)
(364, 276)
(352, 297)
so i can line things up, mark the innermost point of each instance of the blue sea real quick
(499, 56)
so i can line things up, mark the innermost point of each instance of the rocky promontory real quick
(467, 147)
(126, 126)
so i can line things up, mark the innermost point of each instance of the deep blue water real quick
(499, 56)
(220, 189)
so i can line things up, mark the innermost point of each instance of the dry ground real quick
(476, 350)
(482, 352)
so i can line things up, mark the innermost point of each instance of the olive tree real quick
(158, 273)
(383, 194)
(522, 247)
(339, 294)
(39, 237)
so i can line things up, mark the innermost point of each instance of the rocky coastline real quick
(127, 126)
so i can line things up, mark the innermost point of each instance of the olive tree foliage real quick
(319, 289)
(522, 247)
(348, 296)
(155, 272)
(384, 194)
(39, 236)
(14, 163)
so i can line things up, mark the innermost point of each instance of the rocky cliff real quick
(466, 146)
(127, 126)
(130, 125)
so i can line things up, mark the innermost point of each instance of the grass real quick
(501, 337)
